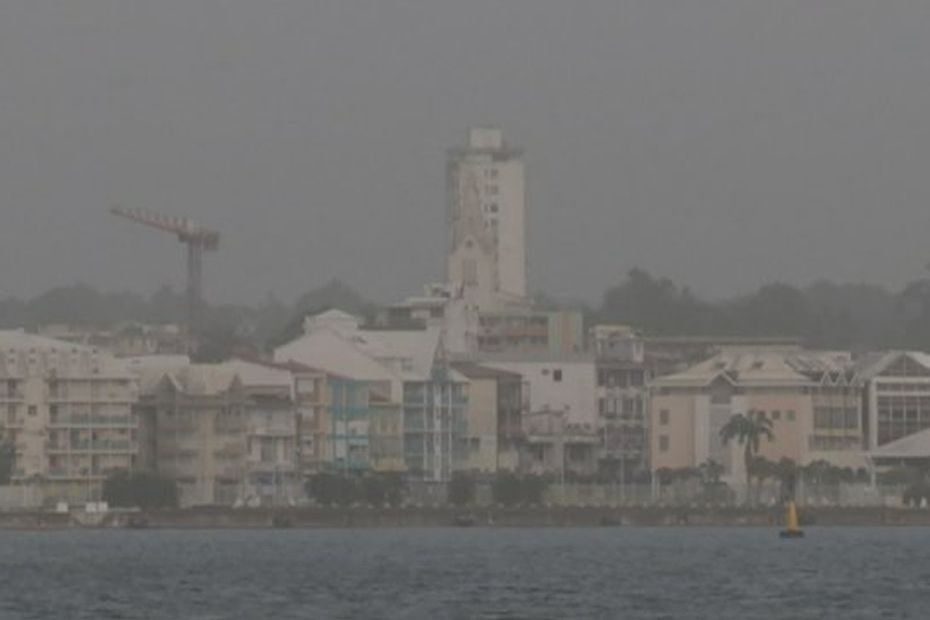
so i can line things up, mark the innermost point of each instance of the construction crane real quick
(198, 240)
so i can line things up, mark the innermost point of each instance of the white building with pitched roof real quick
(402, 367)
(897, 397)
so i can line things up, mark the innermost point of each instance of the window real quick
(663, 443)
(493, 208)
(33, 410)
(663, 417)
(470, 272)
(790, 414)
(557, 375)
(776, 415)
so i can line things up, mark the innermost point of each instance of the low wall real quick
(552, 516)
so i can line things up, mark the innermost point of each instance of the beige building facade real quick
(67, 411)
(199, 432)
(492, 438)
(812, 398)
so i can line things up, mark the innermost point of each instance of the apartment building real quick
(812, 398)
(523, 329)
(272, 475)
(67, 410)
(564, 383)
(410, 399)
(555, 446)
(560, 423)
(493, 437)
(623, 376)
(199, 431)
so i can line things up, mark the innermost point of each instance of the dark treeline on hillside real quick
(227, 328)
(824, 314)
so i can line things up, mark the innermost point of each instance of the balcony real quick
(89, 420)
(274, 429)
(102, 445)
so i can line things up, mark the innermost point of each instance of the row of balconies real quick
(99, 445)
(84, 420)
(81, 399)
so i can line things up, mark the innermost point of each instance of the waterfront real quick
(465, 573)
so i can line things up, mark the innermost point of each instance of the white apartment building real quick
(487, 218)
(565, 384)
(67, 411)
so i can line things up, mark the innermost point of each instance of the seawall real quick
(363, 517)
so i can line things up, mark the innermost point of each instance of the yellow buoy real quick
(792, 529)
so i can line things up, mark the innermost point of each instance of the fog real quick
(722, 143)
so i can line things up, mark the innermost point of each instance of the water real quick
(669, 573)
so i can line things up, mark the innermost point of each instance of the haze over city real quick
(495, 308)
(720, 143)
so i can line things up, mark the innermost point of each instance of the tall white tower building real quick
(487, 219)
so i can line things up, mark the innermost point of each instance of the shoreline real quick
(437, 517)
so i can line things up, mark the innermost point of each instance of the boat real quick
(792, 529)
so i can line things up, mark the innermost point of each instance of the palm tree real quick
(7, 459)
(748, 430)
(786, 470)
(714, 489)
(762, 470)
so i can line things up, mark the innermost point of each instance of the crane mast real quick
(197, 240)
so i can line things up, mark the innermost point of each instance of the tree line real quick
(824, 314)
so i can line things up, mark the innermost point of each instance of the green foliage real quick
(513, 490)
(713, 489)
(748, 430)
(824, 314)
(461, 489)
(7, 459)
(710, 472)
(334, 294)
(383, 489)
(374, 489)
(899, 476)
(226, 328)
(787, 472)
(145, 490)
(668, 475)
(333, 490)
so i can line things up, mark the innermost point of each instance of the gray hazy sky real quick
(722, 143)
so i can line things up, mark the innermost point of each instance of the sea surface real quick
(738, 573)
